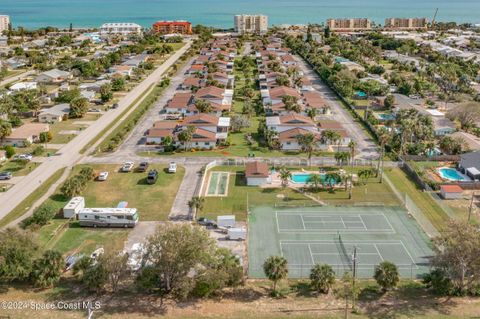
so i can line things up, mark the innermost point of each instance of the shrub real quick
(41, 216)
(10, 151)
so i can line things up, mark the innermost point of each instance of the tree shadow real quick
(410, 300)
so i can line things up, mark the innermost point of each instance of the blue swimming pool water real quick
(386, 117)
(303, 178)
(451, 174)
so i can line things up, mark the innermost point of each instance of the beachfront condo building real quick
(406, 23)
(349, 24)
(122, 28)
(250, 23)
(172, 27)
(4, 23)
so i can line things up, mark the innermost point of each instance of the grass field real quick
(238, 193)
(152, 201)
(25, 205)
(76, 239)
(18, 168)
(423, 200)
(69, 125)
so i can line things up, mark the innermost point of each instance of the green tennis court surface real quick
(218, 184)
(328, 235)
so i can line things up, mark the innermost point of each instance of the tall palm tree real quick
(315, 181)
(307, 143)
(352, 147)
(341, 157)
(276, 269)
(196, 203)
(332, 179)
(365, 174)
(312, 113)
(285, 176)
(186, 135)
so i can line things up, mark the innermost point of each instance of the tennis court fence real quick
(413, 209)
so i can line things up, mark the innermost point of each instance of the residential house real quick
(192, 83)
(470, 165)
(160, 131)
(314, 100)
(183, 103)
(26, 134)
(335, 126)
(257, 173)
(217, 125)
(53, 76)
(121, 70)
(289, 121)
(54, 114)
(220, 99)
(21, 86)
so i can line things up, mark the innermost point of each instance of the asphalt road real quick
(366, 147)
(69, 154)
(16, 77)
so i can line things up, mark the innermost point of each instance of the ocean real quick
(219, 13)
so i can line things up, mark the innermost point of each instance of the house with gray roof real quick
(470, 165)
(53, 76)
(54, 114)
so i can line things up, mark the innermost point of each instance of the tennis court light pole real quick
(354, 261)
(470, 209)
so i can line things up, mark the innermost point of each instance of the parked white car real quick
(102, 176)
(172, 168)
(127, 166)
(27, 157)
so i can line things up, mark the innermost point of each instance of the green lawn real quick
(427, 204)
(76, 239)
(238, 194)
(25, 205)
(152, 201)
(69, 125)
(18, 168)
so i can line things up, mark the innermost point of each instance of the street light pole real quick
(354, 261)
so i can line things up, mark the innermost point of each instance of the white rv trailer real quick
(108, 217)
(74, 206)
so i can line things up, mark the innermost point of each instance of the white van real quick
(237, 234)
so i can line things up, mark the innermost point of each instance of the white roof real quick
(108, 211)
(473, 171)
(74, 202)
(273, 120)
(23, 86)
(435, 113)
(59, 109)
(226, 217)
(55, 73)
(224, 121)
(120, 24)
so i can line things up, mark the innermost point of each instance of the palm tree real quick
(285, 176)
(365, 174)
(196, 203)
(332, 179)
(352, 147)
(186, 135)
(386, 275)
(341, 157)
(307, 143)
(315, 181)
(312, 113)
(203, 106)
(322, 278)
(383, 138)
(276, 269)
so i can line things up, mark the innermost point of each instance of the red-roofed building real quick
(168, 27)
(451, 191)
(257, 173)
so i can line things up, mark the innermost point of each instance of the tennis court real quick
(218, 184)
(306, 236)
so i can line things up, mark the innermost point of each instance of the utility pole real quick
(470, 209)
(354, 262)
(346, 300)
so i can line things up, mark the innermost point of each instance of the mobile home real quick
(108, 217)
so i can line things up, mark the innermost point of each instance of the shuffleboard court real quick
(218, 184)
(306, 236)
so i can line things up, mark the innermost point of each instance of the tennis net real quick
(345, 257)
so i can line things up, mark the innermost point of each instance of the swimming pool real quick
(385, 116)
(451, 174)
(303, 178)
